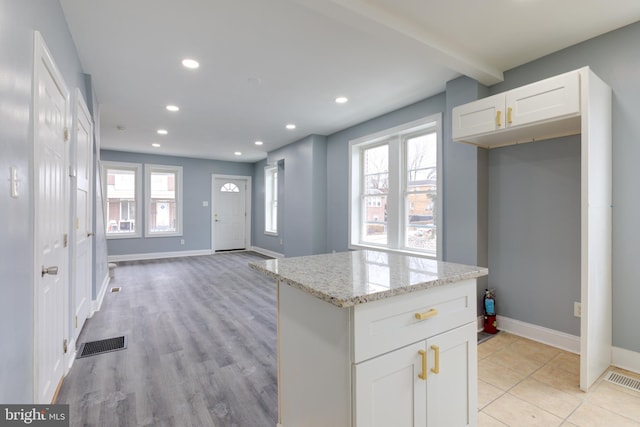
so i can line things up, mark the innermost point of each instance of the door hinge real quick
(64, 346)
(66, 240)
(76, 322)
(66, 134)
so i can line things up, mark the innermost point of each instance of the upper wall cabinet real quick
(542, 110)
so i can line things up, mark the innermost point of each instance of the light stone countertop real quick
(345, 279)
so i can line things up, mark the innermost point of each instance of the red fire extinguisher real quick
(490, 325)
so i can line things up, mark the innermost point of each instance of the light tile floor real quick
(525, 383)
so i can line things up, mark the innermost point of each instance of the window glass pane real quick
(421, 199)
(271, 199)
(420, 228)
(376, 170)
(375, 219)
(121, 200)
(163, 215)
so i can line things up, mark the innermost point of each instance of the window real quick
(122, 189)
(163, 200)
(271, 199)
(394, 203)
(229, 187)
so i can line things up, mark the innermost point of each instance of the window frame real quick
(177, 170)
(137, 169)
(397, 219)
(271, 199)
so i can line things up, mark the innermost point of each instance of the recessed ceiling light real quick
(291, 126)
(162, 131)
(173, 108)
(238, 153)
(341, 100)
(155, 144)
(190, 63)
(259, 142)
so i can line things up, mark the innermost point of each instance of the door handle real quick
(49, 270)
(89, 234)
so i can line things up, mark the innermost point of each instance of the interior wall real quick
(18, 20)
(196, 174)
(302, 226)
(615, 58)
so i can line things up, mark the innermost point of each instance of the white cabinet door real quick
(547, 99)
(388, 391)
(452, 387)
(478, 117)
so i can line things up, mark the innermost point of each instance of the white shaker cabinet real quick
(430, 383)
(352, 352)
(541, 110)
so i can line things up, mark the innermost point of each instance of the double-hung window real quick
(394, 189)
(271, 199)
(122, 191)
(163, 192)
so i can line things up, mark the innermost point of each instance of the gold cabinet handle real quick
(499, 118)
(436, 359)
(423, 374)
(509, 115)
(427, 314)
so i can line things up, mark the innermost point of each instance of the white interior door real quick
(83, 218)
(229, 213)
(51, 106)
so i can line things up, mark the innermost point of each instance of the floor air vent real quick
(92, 348)
(116, 289)
(623, 380)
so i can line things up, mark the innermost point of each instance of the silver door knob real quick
(89, 234)
(49, 270)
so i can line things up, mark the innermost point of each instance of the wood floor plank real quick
(201, 347)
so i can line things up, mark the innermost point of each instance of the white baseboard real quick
(267, 252)
(158, 255)
(620, 357)
(625, 359)
(97, 303)
(533, 332)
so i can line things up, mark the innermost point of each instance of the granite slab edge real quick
(361, 299)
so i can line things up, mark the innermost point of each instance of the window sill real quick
(123, 236)
(361, 246)
(271, 233)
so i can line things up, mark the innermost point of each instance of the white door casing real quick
(83, 219)
(231, 204)
(50, 118)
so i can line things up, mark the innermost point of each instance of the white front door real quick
(51, 106)
(229, 213)
(83, 218)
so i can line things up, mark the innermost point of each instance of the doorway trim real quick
(247, 222)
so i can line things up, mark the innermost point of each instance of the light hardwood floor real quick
(201, 347)
(202, 352)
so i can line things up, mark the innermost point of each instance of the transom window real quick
(394, 189)
(229, 187)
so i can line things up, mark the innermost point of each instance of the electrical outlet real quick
(182, 241)
(577, 309)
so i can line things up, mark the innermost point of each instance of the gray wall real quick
(196, 188)
(615, 58)
(302, 225)
(18, 20)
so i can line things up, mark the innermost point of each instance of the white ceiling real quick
(266, 63)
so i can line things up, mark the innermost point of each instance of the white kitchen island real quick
(370, 338)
